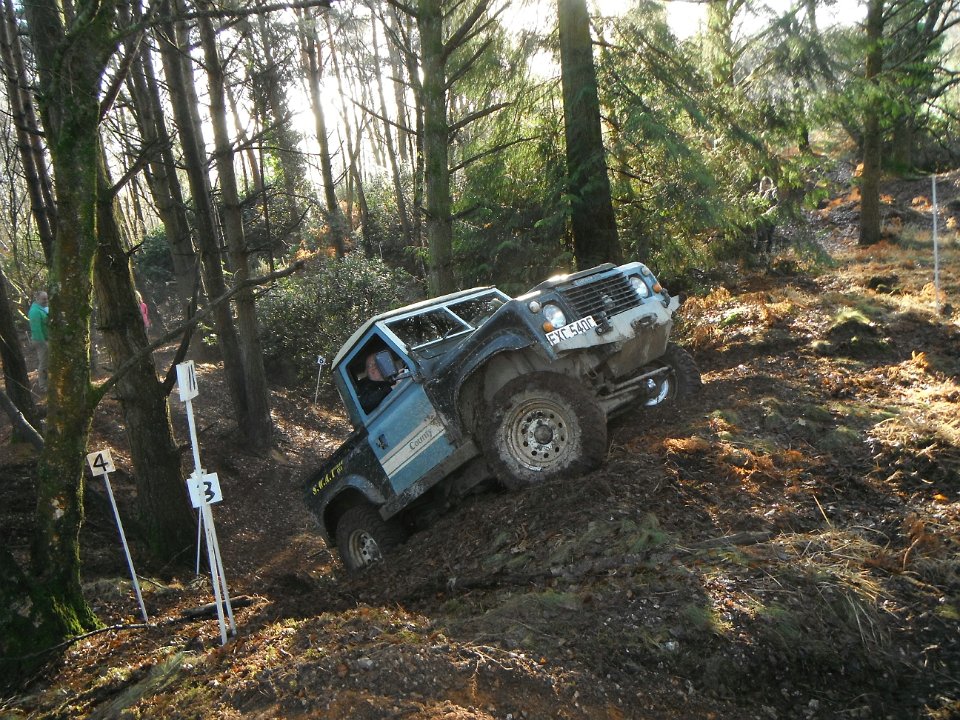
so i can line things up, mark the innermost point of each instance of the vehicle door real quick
(404, 430)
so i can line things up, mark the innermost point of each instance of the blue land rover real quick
(455, 390)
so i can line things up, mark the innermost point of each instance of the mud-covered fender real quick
(351, 475)
(444, 388)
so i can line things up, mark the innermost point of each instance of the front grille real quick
(611, 295)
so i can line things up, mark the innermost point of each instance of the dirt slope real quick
(784, 546)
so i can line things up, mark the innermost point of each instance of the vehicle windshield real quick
(431, 326)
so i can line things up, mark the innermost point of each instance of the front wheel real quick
(681, 381)
(543, 426)
(363, 537)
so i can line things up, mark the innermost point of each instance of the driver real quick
(372, 389)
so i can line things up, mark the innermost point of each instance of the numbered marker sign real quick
(187, 381)
(100, 462)
(204, 490)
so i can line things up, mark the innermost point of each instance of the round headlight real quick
(534, 306)
(554, 315)
(640, 286)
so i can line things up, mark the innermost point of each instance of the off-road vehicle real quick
(449, 392)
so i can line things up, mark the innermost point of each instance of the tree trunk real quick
(872, 135)
(901, 152)
(399, 92)
(70, 70)
(391, 149)
(353, 131)
(179, 72)
(259, 425)
(163, 508)
(419, 168)
(314, 70)
(436, 138)
(719, 42)
(28, 131)
(283, 138)
(256, 178)
(161, 172)
(15, 374)
(594, 225)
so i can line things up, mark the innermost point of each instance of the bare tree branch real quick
(467, 119)
(104, 387)
(20, 422)
(488, 151)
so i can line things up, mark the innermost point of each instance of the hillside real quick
(786, 545)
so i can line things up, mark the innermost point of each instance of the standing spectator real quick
(39, 316)
(144, 311)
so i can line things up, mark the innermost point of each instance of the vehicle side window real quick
(426, 327)
(475, 311)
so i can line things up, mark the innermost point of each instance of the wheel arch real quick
(485, 379)
(355, 491)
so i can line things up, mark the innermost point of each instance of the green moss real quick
(948, 612)
(841, 438)
(731, 417)
(704, 619)
(733, 317)
(783, 623)
(815, 413)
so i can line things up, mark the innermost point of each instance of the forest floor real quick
(786, 545)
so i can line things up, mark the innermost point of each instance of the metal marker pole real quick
(199, 531)
(101, 463)
(187, 380)
(197, 470)
(215, 575)
(936, 249)
(194, 445)
(321, 361)
(126, 548)
(218, 559)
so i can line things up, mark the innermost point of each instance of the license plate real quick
(566, 332)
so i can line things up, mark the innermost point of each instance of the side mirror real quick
(387, 365)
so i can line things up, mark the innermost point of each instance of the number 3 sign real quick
(204, 490)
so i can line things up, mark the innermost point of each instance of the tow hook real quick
(642, 323)
(603, 323)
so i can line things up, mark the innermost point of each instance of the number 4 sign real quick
(100, 462)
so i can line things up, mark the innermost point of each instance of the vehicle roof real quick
(443, 299)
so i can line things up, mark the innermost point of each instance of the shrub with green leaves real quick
(152, 260)
(314, 312)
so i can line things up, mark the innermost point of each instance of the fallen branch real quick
(20, 422)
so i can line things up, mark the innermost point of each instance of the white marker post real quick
(936, 249)
(101, 463)
(205, 489)
(321, 361)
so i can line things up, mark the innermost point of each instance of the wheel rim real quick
(538, 434)
(364, 549)
(661, 390)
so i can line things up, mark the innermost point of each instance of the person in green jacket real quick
(39, 316)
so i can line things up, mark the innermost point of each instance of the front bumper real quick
(633, 338)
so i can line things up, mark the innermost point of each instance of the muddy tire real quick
(542, 426)
(363, 537)
(683, 380)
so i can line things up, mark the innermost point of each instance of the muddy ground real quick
(785, 545)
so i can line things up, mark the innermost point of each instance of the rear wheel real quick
(682, 380)
(543, 426)
(363, 537)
